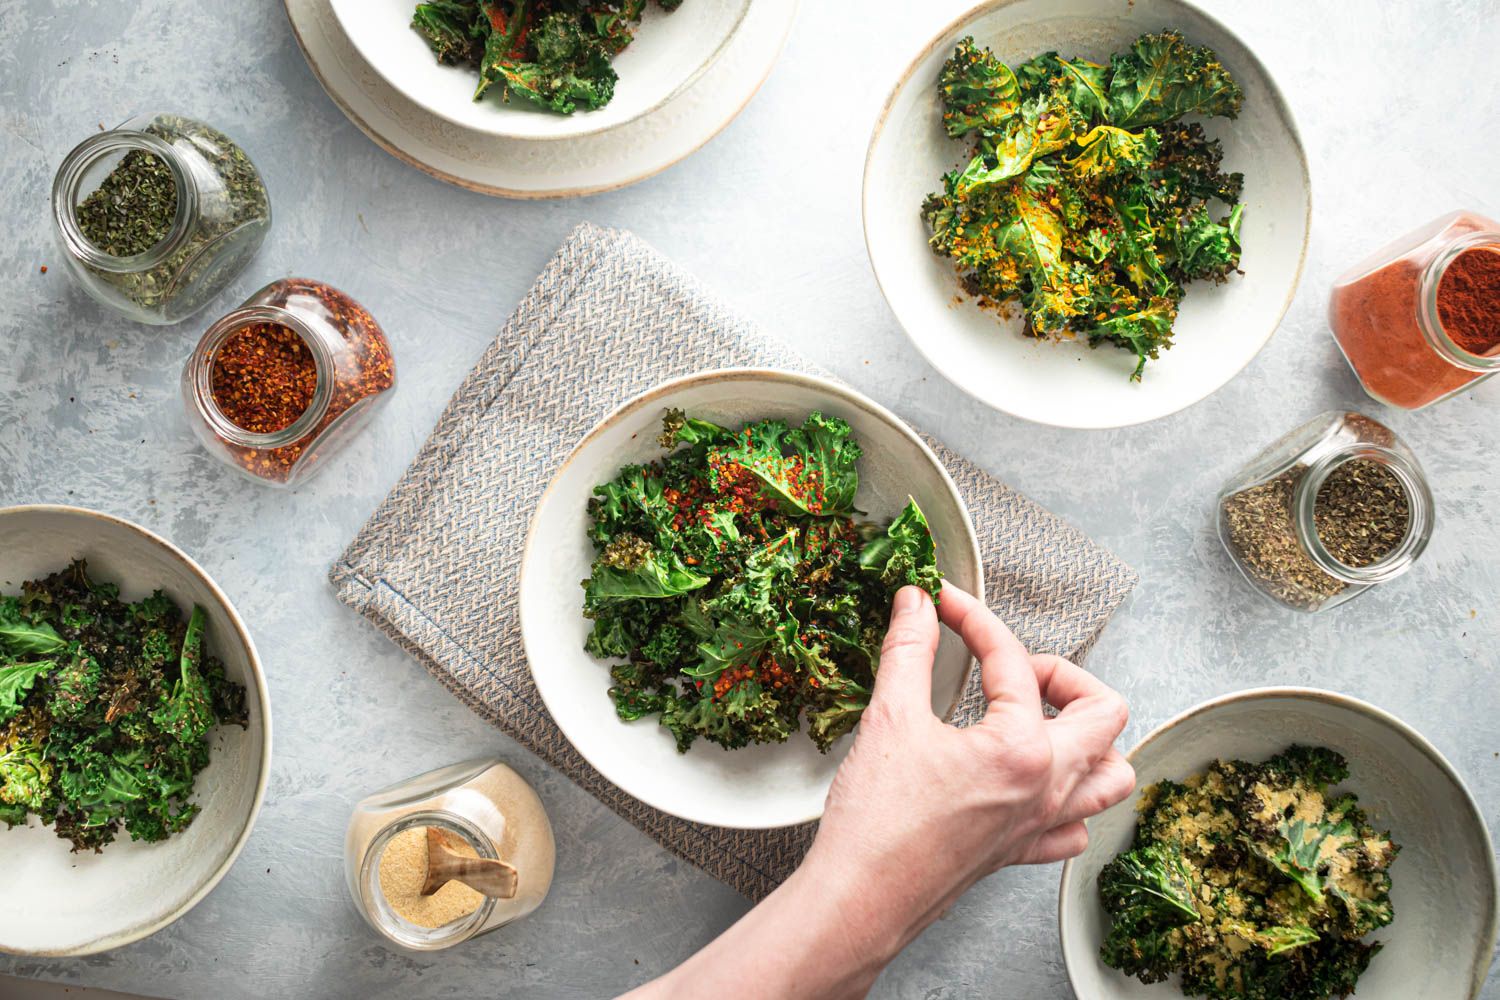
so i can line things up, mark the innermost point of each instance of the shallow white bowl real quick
(669, 52)
(755, 787)
(56, 902)
(1438, 947)
(1220, 328)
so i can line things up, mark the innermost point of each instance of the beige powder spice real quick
(403, 869)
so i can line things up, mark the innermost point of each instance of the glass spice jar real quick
(486, 806)
(1419, 320)
(349, 372)
(1332, 509)
(156, 216)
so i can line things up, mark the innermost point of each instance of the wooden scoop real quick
(445, 864)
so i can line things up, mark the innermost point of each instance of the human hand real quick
(920, 810)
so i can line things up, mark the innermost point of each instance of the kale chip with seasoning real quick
(105, 709)
(555, 54)
(1086, 199)
(737, 587)
(1254, 881)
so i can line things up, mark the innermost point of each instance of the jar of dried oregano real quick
(1337, 506)
(156, 216)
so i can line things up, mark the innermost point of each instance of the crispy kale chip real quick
(1148, 893)
(735, 588)
(105, 708)
(555, 54)
(1162, 78)
(1084, 195)
(1253, 881)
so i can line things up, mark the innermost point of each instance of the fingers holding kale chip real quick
(1086, 199)
(739, 589)
(105, 709)
(1251, 881)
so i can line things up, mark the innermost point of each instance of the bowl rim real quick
(842, 393)
(255, 673)
(1280, 105)
(435, 109)
(1358, 705)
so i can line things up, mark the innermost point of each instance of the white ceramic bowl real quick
(668, 53)
(755, 787)
(1438, 947)
(1220, 328)
(60, 903)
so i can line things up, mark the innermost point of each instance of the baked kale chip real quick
(1253, 881)
(105, 709)
(555, 54)
(737, 587)
(1085, 197)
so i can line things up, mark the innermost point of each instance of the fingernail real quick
(908, 599)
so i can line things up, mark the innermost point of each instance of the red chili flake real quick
(264, 377)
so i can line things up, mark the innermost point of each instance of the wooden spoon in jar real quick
(445, 864)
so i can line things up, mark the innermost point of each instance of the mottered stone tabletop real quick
(767, 215)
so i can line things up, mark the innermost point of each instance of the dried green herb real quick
(1261, 533)
(231, 214)
(133, 209)
(1362, 512)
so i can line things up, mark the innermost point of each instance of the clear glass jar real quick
(355, 374)
(222, 216)
(1267, 513)
(1385, 315)
(484, 803)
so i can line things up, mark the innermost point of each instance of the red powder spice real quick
(1468, 300)
(264, 377)
(1375, 314)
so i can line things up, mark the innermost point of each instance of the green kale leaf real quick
(1162, 78)
(978, 91)
(758, 598)
(904, 555)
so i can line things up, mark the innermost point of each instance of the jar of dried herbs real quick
(156, 216)
(1337, 506)
(277, 386)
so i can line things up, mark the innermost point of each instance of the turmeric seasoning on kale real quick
(1085, 198)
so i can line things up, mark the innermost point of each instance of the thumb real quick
(904, 678)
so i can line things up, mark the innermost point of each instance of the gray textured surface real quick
(767, 215)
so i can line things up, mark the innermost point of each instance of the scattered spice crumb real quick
(44, 268)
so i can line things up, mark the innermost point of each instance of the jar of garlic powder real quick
(478, 809)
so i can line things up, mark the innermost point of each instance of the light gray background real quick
(1399, 127)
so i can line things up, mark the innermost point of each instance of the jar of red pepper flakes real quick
(1419, 320)
(280, 384)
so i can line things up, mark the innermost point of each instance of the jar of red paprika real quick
(1420, 319)
(280, 384)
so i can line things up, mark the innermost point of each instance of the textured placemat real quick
(436, 567)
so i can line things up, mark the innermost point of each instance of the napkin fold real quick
(607, 319)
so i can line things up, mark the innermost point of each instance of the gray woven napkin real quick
(608, 319)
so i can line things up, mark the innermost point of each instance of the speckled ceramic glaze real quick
(757, 786)
(1220, 327)
(1444, 890)
(56, 902)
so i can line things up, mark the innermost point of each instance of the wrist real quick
(865, 906)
